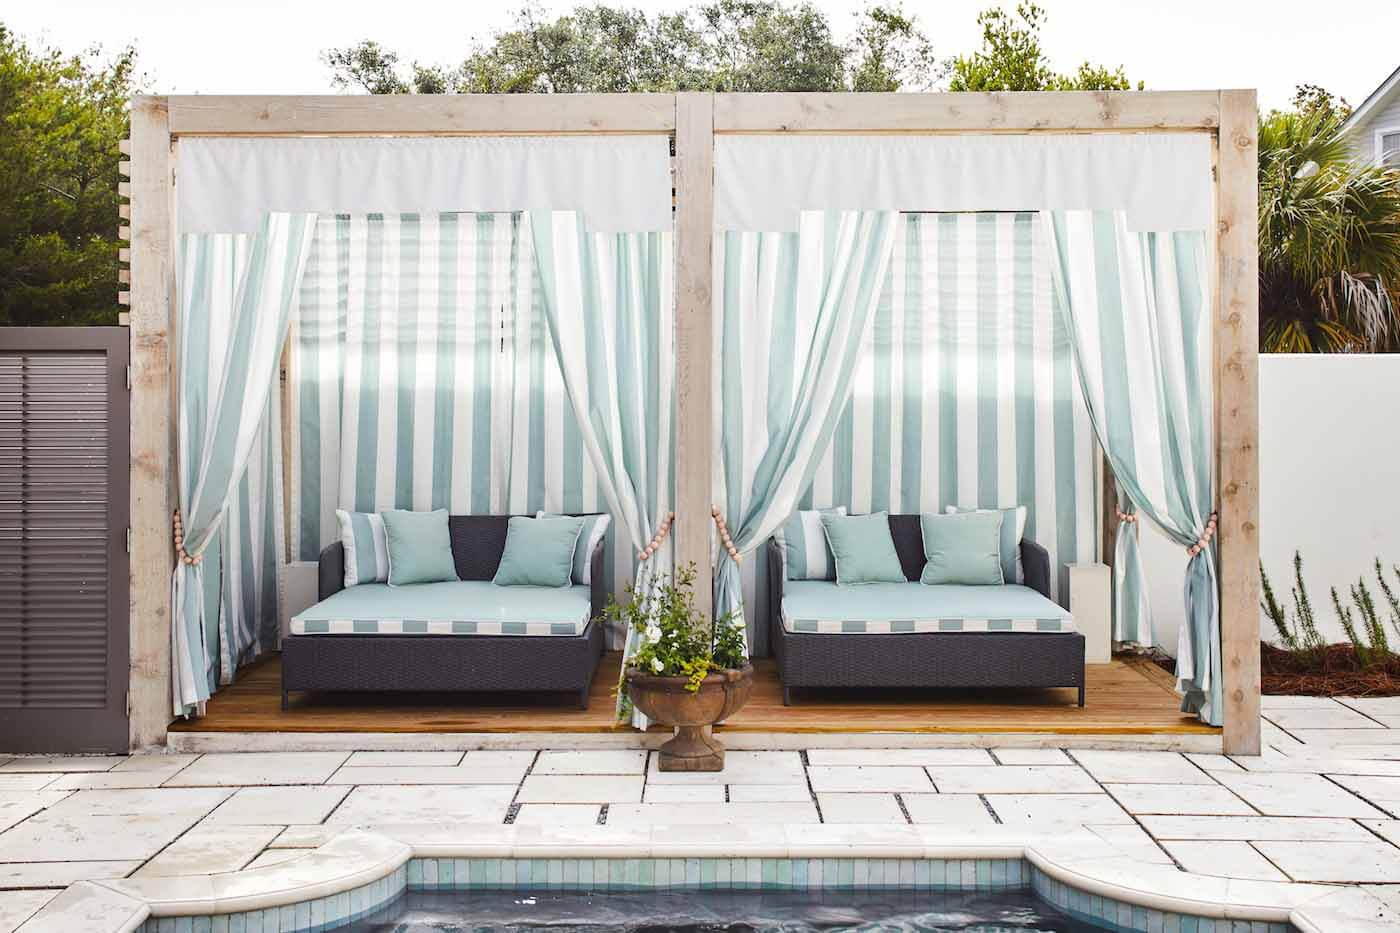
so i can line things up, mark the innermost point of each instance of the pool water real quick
(722, 911)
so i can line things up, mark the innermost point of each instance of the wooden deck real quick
(1126, 697)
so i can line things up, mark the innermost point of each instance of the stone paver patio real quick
(1321, 805)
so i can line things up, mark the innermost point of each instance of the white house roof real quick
(1379, 99)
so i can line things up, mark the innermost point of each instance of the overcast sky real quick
(273, 46)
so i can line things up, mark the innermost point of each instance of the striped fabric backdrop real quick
(423, 378)
(966, 393)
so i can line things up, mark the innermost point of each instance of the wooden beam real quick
(152, 275)
(1067, 111)
(695, 189)
(1237, 406)
(421, 114)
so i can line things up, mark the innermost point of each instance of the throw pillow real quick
(366, 550)
(539, 551)
(863, 549)
(420, 549)
(962, 547)
(1013, 529)
(809, 557)
(594, 528)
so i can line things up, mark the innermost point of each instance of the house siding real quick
(1363, 135)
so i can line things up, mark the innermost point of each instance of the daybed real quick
(913, 635)
(466, 635)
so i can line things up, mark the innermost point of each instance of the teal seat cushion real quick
(539, 551)
(819, 607)
(420, 549)
(863, 548)
(963, 547)
(463, 607)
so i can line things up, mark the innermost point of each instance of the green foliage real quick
(62, 120)
(675, 639)
(1329, 236)
(1301, 635)
(1011, 59)
(721, 45)
(1362, 621)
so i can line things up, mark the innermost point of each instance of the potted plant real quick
(688, 671)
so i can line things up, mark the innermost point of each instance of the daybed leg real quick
(583, 698)
(284, 701)
(787, 696)
(1081, 696)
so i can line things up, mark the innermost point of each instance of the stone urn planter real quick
(669, 702)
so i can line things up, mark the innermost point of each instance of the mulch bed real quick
(1333, 674)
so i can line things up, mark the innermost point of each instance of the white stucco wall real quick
(1329, 475)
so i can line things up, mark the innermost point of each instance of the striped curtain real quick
(1132, 617)
(607, 298)
(423, 377)
(1137, 306)
(966, 394)
(793, 313)
(236, 296)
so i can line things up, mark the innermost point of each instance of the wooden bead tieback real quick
(1205, 537)
(184, 556)
(661, 531)
(724, 538)
(1127, 517)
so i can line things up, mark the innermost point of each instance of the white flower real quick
(653, 633)
(657, 666)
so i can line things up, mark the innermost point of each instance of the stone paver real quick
(557, 814)
(728, 814)
(1056, 811)
(373, 805)
(618, 761)
(860, 808)
(575, 788)
(1031, 756)
(765, 793)
(1297, 795)
(684, 793)
(1254, 828)
(1181, 800)
(252, 768)
(404, 759)
(206, 849)
(1374, 861)
(278, 806)
(872, 779)
(1125, 767)
(1336, 716)
(918, 757)
(1013, 779)
(18, 906)
(954, 809)
(740, 767)
(62, 764)
(60, 874)
(1227, 859)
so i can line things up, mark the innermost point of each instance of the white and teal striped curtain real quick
(236, 293)
(793, 311)
(966, 395)
(1137, 305)
(608, 301)
(1132, 616)
(423, 377)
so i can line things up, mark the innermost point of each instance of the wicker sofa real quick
(911, 635)
(465, 635)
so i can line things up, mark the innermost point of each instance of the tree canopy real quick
(62, 119)
(719, 45)
(1011, 59)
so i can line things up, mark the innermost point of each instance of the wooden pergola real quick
(158, 123)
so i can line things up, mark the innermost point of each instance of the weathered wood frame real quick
(1229, 117)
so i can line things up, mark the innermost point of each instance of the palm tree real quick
(1329, 240)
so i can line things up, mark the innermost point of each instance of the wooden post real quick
(152, 275)
(695, 186)
(1237, 407)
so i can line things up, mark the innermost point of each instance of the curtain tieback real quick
(1205, 537)
(655, 543)
(184, 556)
(724, 537)
(1126, 517)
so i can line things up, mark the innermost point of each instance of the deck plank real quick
(1128, 696)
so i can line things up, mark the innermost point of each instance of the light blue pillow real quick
(863, 548)
(1013, 529)
(595, 527)
(539, 551)
(964, 548)
(420, 549)
(804, 542)
(366, 549)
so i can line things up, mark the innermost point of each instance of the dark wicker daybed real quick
(920, 658)
(353, 656)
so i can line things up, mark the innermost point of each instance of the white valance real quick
(1162, 180)
(618, 183)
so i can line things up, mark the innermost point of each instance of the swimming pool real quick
(722, 911)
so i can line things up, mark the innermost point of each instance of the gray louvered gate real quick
(64, 491)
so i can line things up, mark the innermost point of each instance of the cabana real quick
(1141, 206)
